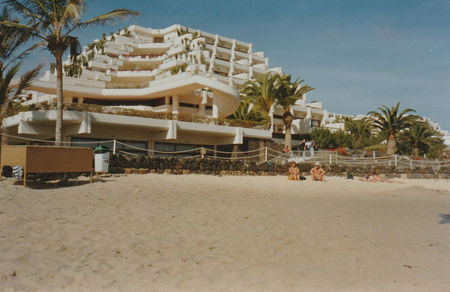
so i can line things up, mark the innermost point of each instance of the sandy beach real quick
(209, 233)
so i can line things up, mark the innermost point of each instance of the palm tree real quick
(419, 135)
(11, 42)
(270, 90)
(262, 92)
(247, 112)
(391, 122)
(359, 129)
(288, 93)
(52, 22)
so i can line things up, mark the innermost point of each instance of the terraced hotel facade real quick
(189, 78)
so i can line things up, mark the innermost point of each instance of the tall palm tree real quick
(288, 93)
(270, 90)
(391, 122)
(359, 129)
(52, 22)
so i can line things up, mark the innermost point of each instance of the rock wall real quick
(170, 165)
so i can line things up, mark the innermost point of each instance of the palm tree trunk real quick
(59, 101)
(288, 137)
(416, 152)
(287, 118)
(391, 145)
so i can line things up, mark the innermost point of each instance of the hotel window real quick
(315, 123)
(74, 99)
(158, 40)
(136, 147)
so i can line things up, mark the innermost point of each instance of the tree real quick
(270, 90)
(288, 93)
(360, 130)
(262, 92)
(343, 139)
(247, 112)
(52, 23)
(11, 53)
(391, 122)
(419, 138)
(324, 137)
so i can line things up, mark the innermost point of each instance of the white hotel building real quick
(189, 77)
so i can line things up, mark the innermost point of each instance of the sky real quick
(357, 54)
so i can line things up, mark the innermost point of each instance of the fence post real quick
(374, 154)
(395, 160)
(265, 154)
(438, 164)
(331, 159)
(410, 163)
(114, 146)
(202, 151)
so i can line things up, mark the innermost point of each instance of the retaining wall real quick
(171, 165)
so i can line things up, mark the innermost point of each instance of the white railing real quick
(261, 155)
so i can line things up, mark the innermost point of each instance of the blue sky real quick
(358, 54)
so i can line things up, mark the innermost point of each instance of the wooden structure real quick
(47, 159)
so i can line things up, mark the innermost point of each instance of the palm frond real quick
(25, 80)
(5, 83)
(105, 18)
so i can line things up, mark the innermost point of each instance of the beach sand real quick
(209, 233)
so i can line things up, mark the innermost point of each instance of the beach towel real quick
(17, 171)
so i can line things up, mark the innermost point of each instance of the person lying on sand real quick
(375, 178)
(294, 172)
(317, 172)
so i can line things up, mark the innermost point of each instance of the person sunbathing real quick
(375, 178)
(294, 172)
(317, 172)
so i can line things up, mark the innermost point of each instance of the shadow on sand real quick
(56, 184)
(445, 218)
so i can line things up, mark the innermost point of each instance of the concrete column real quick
(168, 106)
(151, 146)
(215, 113)
(211, 65)
(308, 120)
(201, 109)
(231, 71)
(175, 105)
(325, 117)
(234, 154)
(80, 100)
(262, 151)
(215, 149)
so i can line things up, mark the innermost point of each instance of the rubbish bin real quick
(101, 159)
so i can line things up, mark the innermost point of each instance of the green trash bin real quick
(101, 154)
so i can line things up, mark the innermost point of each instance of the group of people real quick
(317, 172)
(308, 145)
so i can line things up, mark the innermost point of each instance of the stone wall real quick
(122, 164)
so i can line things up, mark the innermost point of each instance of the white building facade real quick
(191, 77)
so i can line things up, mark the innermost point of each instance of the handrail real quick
(263, 154)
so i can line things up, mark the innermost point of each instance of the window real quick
(315, 123)
(166, 147)
(149, 102)
(131, 146)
